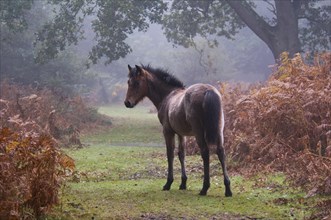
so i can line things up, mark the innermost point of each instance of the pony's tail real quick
(211, 115)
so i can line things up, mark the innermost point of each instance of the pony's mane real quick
(164, 76)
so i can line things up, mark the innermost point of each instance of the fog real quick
(244, 59)
(241, 57)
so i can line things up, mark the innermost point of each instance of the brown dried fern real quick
(285, 124)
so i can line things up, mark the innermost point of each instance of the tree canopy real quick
(17, 53)
(284, 25)
(12, 13)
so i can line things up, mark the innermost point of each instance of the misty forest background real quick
(58, 58)
(50, 43)
(244, 59)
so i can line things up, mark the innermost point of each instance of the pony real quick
(193, 111)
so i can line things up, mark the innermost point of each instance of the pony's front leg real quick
(181, 156)
(170, 143)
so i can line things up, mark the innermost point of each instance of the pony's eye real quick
(133, 83)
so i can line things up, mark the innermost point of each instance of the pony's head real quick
(137, 86)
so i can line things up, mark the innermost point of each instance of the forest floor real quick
(121, 171)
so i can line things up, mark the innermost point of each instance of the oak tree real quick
(289, 25)
(292, 25)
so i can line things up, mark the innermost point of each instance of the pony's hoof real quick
(228, 194)
(202, 193)
(166, 188)
(182, 187)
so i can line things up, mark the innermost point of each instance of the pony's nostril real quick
(128, 104)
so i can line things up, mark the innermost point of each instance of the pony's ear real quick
(139, 69)
(130, 68)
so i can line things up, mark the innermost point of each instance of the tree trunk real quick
(284, 36)
(287, 29)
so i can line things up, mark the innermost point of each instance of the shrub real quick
(285, 124)
(46, 111)
(31, 171)
(34, 123)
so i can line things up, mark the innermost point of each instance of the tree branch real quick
(254, 21)
(201, 62)
(272, 9)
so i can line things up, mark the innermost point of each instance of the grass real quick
(131, 127)
(121, 174)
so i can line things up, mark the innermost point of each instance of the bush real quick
(31, 171)
(285, 124)
(34, 123)
(62, 117)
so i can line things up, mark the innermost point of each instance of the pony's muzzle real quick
(128, 104)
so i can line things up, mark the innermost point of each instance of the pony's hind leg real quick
(205, 157)
(170, 144)
(181, 156)
(221, 156)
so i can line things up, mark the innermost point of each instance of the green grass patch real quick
(126, 182)
(121, 173)
(130, 127)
